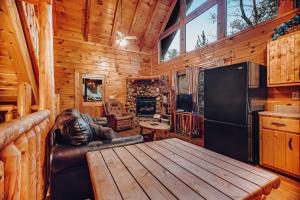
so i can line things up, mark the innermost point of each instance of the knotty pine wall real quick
(248, 45)
(86, 57)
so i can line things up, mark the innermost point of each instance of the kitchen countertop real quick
(280, 114)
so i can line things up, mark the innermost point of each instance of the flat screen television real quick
(184, 102)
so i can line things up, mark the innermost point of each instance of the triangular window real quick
(174, 18)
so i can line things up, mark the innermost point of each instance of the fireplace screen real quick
(92, 89)
(145, 106)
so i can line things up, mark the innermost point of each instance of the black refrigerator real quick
(233, 96)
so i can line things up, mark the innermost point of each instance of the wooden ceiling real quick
(98, 20)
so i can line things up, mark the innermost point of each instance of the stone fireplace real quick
(145, 106)
(143, 97)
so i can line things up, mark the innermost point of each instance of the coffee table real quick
(174, 169)
(155, 127)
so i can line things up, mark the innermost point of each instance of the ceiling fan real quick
(121, 38)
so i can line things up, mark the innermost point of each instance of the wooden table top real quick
(154, 125)
(174, 169)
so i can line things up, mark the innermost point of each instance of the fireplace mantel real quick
(144, 78)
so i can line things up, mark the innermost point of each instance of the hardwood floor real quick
(289, 190)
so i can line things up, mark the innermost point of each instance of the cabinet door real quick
(279, 150)
(274, 63)
(267, 147)
(292, 153)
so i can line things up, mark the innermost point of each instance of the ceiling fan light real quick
(123, 42)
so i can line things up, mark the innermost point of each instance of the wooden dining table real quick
(174, 169)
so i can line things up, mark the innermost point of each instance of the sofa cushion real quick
(65, 156)
(74, 128)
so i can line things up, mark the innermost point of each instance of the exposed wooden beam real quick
(87, 19)
(221, 20)
(201, 9)
(170, 30)
(149, 23)
(135, 16)
(182, 27)
(29, 39)
(115, 23)
(54, 18)
(165, 21)
(18, 50)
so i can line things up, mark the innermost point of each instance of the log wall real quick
(86, 57)
(248, 45)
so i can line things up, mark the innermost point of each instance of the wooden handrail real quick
(14, 129)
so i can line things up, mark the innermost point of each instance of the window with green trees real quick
(242, 14)
(202, 30)
(170, 46)
(205, 21)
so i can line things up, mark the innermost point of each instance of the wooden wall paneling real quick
(115, 22)
(87, 19)
(22, 144)
(1, 180)
(149, 21)
(11, 157)
(77, 88)
(17, 48)
(285, 6)
(84, 58)
(135, 16)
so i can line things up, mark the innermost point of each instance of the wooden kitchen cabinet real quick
(268, 147)
(279, 150)
(283, 57)
(280, 144)
(292, 142)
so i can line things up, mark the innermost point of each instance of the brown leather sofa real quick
(118, 119)
(67, 166)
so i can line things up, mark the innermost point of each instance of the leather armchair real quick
(118, 119)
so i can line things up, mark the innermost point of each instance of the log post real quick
(11, 156)
(57, 104)
(39, 172)
(46, 59)
(1, 180)
(24, 99)
(32, 163)
(22, 144)
(9, 116)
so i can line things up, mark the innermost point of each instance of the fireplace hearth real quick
(145, 106)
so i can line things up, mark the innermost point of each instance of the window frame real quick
(184, 19)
